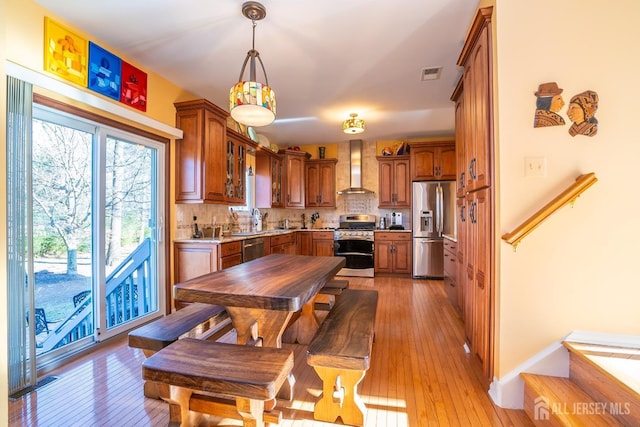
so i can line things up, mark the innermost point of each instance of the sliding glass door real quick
(96, 205)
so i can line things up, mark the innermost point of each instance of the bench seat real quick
(340, 353)
(204, 321)
(329, 294)
(251, 375)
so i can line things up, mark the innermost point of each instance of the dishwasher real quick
(252, 248)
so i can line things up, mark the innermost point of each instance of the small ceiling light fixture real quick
(252, 103)
(353, 125)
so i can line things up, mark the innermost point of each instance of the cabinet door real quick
(401, 256)
(200, 169)
(424, 163)
(481, 225)
(461, 165)
(294, 180)
(479, 116)
(327, 185)
(382, 256)
(305, 246)
(322, 247)
(401, 183)
(268, 180)
(385, 183)
(447, 162)
(193, 260)
(235, 171)
(312, 184)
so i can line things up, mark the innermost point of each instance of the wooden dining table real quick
(262, 295)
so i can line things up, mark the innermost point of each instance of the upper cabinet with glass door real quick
(210, 158)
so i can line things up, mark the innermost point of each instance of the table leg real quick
(305, 327)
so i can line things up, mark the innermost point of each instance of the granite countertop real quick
(386, 230)
(450, 237)
(247, 235)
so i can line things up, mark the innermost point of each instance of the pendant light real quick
(353, 125)
(252, 103)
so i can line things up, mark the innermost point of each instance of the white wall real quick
(578, 270)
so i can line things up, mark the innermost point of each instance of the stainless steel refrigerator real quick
(432, 216)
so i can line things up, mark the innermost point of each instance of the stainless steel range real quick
(354, 241)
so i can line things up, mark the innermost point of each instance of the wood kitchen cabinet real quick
(475, 205)
(461, 165)
(192, 260)
(451, 271)
(322, 243)
(293, 178)
(201, 153)
(320, 183)
(284, 244)
(477, 100)
(433, 161)
(236, 155)
(230, 254)
(392, 253)
(268, 179)
(394, 182)
(305, 242)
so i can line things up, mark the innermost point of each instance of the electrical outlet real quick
(535, 166)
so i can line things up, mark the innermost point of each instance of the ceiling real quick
(324, 59)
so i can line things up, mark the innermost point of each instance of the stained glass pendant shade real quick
(252, 103)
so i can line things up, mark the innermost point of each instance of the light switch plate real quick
(535, 166)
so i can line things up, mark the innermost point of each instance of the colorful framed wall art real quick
(134, 87)
(105, 72)
(65, 53)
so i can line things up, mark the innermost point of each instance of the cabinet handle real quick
(472, 213)
(461, 179)
(462, 214)
(288, 198)
(472, 168)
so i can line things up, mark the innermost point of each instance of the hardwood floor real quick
(419, 375)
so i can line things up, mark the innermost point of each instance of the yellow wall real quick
(21, 42)
(578, 270)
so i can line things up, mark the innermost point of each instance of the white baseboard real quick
(508, 391)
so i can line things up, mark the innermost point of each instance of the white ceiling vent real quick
(431, 73)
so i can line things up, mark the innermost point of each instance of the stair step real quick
(559, 401)
(609, 374)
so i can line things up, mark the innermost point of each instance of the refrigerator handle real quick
(439, 209)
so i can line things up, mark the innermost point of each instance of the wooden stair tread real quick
(568, 403)
(620, 364)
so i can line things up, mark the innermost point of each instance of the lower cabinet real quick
(192, 260)
(322, 243)
(305, 242)
(230, 254)
(451, 272)
(284, 244)
(392, 253)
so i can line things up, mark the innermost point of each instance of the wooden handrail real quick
(567, 196)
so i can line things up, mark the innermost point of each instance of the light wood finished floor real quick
(419, 375)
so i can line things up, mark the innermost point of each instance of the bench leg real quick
(251, 411)
(340, 396)
(179, 396)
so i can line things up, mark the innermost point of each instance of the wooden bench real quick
(329, 294)
(203, 321)
(251, 375)
(340, 353)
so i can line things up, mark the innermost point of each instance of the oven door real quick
(358, 253)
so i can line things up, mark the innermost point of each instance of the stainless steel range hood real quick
(355, 169)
